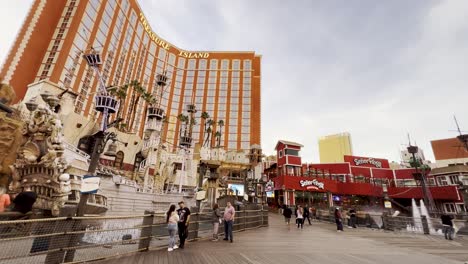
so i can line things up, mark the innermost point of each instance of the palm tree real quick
(139, 91)
(121, 93)
(218, 133)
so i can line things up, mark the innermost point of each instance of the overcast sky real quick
(377, 69)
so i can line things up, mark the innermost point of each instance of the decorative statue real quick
(40, 163)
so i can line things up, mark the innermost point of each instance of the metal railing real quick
(80, 239)
(422, 225)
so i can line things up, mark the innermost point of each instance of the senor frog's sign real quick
(312, 184)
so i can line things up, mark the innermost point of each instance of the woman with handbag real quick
(216, 221)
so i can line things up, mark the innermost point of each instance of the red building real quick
(359, 181)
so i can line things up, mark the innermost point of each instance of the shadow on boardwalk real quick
(319, 243)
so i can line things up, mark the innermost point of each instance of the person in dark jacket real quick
(307, 214)
(338, 220)
(352, 218)
(447, 225)
(287, 212)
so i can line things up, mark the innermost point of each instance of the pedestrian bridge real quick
(261, 237)
(318, 243)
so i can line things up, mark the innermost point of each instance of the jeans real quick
(228, 230)
(448, 232)
(308, 219)
(215, 229)
(339, 224)
(352, 221)
(172, 228)
(183, 233)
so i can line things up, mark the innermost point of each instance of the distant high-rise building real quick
(333, 148)
(406, 157)
(55, 33)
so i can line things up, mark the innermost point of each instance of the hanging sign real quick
(90, 184)
(312, 184)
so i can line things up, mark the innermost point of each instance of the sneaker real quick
(214, 240)
(170, 249)
(231, 241)
(338, 230)
(175, 247)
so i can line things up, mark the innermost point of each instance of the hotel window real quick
(222, 93)
(234, 107)
(202, 64)
(247, 64)
(222, 107)
(245, 101)
(236, 64)
(245, 130)
(246, 107)
(221, 115)
(245, 93)
(245, 137)
(245, 145)
(224, 64)
(232, 145)
(213, 64)
(191, 64)
(232, 137)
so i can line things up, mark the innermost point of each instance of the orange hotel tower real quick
(50, 45)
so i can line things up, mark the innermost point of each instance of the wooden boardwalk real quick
(319, 243)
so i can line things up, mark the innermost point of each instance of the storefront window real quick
(291, 152)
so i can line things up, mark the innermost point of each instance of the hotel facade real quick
(51, 42)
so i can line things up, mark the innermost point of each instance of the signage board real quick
(367, 162)
(388, 204)
(312, 184)
(200, 195)
(90, 184)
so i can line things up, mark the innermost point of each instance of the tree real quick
(218, 133)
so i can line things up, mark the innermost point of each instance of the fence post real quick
(59, 241)
(194, 225)
(425, 224)
(146, 231)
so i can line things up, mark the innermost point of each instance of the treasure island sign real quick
(166, 46)
(312, 184)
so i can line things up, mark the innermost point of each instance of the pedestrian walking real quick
(4, 199)
(229, 214)
(313, 212)
(217, 220)
(447, 226)
(307, 214)
(352, 218)
(300, 217)
(182, 225)
(172, 219)
(287, 215)
(338, 220)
